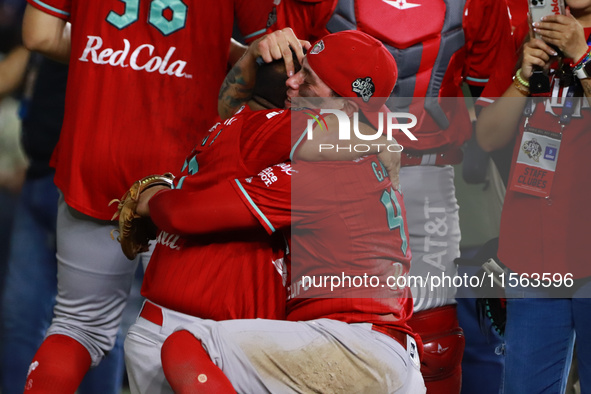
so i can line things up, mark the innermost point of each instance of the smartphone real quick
(540, 8)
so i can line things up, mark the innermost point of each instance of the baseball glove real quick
(135, 232)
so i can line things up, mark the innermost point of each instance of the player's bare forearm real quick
(46, 34)
(236, 89)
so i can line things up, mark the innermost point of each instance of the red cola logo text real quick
(141, 58)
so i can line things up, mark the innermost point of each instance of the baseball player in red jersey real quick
(138, 90)
(437, 45)
(337, 218)
(346, 218)
(218, 275)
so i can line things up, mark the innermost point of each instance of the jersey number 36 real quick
(167, 16)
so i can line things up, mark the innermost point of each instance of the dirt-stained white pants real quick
(271, 356)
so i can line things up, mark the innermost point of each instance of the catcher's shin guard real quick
(443, 347)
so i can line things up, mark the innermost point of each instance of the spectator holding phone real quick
(545, 213)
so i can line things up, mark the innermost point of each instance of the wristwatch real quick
(584, 72)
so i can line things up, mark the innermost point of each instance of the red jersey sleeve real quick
(195, 212)
(279, 200)
(498, 84)
(58, 8)
(204, 201)
(488, 35)
(502, 76)
(268, 196)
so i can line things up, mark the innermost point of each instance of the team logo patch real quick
(532, 149)
(319, 47)
(364, 88)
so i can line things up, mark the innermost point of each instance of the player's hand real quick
(535, 53)
(391, 161)
(143, 209)
(276, 45)
(564, 32)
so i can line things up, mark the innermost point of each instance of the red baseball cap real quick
(354, 64)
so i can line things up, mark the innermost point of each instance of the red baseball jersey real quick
(143, 83)
(344, 219)
(219, 275)
(549, 235)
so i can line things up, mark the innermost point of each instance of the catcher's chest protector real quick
(422, 35)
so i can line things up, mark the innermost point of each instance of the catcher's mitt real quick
(135, 232)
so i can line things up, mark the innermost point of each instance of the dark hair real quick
(270, 81)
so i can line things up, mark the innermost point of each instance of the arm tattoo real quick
(234, 92)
